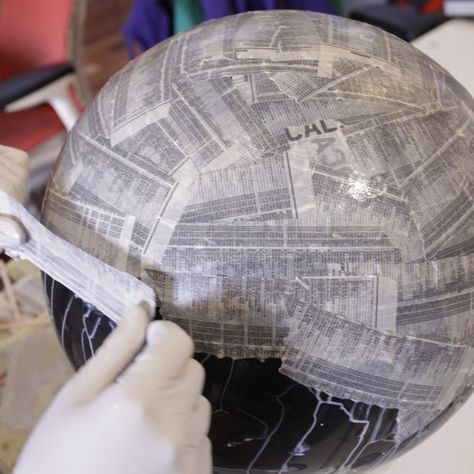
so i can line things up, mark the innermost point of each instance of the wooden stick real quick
(16, 325)
(9, 292)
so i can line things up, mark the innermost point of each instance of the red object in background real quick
(428, 6)
(29, 128)
(33, 34)
(432, 6)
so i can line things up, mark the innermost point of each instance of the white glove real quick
(13, 180)
(135, 407)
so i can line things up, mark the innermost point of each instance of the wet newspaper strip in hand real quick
(111, 291)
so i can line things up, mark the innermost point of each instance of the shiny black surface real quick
(262, 420)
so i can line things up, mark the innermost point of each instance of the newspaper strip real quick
(354, 361)
(112, 292)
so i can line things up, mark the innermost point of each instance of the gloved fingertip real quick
(137, 317)
(156, 331)
(144, 307)
(159, 331)
(12, 232)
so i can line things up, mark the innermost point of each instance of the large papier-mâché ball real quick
(298, 190)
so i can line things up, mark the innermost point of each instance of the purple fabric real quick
(149, 22)
(218, 8)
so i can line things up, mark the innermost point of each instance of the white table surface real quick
(450, 450)
(452, 46)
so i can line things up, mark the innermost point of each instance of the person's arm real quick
(14, 181)
(136, 406)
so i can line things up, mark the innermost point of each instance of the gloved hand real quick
(13, 181)
(135, 407)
